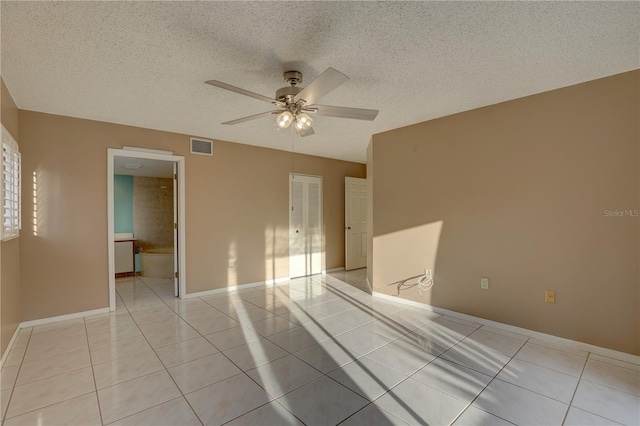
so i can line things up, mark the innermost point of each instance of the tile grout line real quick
(322, 374)
(166, 370)
(490, 381)
(369, 404)
(575, 391)
(363, 356)
(230, 360)
(250, 304)
(409, 376)
(528, 362)
(275, 399)
(145, 338)
(51, 405)
(603, 384)
(142, 333)
(326, 374)
(4, 415)
(533, 391)
(301, 360)
(635, 367)
(220, 352)
(34, 381)
(175, 312)
(553, 370)
(241, 370)
(612, 388)
(178, 314)
(93, 372)
(533, 362)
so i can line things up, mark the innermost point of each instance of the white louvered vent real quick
(201, 147)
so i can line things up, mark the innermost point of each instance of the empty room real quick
(320, 213)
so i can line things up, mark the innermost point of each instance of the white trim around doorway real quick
(111, 154)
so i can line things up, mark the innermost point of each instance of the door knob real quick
(348, 227)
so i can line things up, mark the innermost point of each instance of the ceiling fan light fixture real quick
(303, 121)
(284, 119)
(294, 102)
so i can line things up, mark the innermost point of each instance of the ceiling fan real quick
(296, 103)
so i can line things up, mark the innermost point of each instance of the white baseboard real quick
(9, 346)
(610, 353)
(235, 288)
(369, 284)
(277, 281)
(42, 321)
(333, 270)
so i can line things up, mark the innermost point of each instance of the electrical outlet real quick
(550, 296)
(484, 283)
(232, 263)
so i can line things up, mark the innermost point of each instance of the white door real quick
(176, 273)
(355, 191)
(305, 225)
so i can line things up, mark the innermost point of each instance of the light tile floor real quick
(315, 351)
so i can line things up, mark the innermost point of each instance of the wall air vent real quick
(201, 146)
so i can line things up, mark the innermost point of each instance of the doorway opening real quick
(146, 235)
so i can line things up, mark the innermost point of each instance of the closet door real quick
(305, 225)
(355, 223)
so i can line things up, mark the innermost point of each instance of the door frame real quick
(322, 230)
(150, 155)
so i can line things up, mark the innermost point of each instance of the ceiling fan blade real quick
(344, 112)
(252, 117)
(323, 84)
(241, 91)
(303, 133)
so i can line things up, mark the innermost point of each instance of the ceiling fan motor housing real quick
(286, 94)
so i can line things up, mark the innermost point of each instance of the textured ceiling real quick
(144, 63)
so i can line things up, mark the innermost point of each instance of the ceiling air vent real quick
(201, 146)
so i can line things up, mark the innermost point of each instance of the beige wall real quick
(248, 214)
(153, 212)
(236, 205)
(517, 192)
(9, 250)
